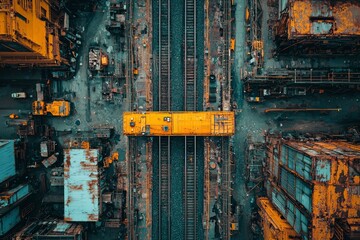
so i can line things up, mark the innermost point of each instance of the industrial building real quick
(318, 27)
(81, 185)
(51, 229)
(35, 34)
(169, 119)
(14, 198)
(314, 186)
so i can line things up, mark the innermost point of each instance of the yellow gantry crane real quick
(179, 123)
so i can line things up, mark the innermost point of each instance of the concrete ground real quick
(85, 92)
(9, 105)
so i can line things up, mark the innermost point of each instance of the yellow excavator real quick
(58, 108)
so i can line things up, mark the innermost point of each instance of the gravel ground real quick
(177, 143)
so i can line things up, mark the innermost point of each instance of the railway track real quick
(131, 228)
(226, 51)
(132, 142)
(225, 141)
(164, 221)
(225, 188)
(190, 171)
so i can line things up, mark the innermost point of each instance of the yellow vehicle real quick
(232, 44)
(59, 108)
(13, 116)
(179, 123)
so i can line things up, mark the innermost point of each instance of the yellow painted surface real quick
(274, 226)
(232, 44)
(56, 108)
(335, 188)
(345, 21)
(38, 108)
(21, 24)
(179, 123)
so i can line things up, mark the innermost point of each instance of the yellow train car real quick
(179, 124)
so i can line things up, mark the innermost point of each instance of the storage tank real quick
(7, 160)
(315, 185)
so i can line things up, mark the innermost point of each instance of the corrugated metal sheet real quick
(13, 195)
(320, 176)
(291, 213)
(81, 185)
(296, 161)
(7, 159)
(9, 220)
(279, 201)
(322, 171)
(276, 162)
(296, 188)
(51, 229)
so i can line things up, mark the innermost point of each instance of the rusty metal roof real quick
(81, 185)
(312, 17)
(327, 148)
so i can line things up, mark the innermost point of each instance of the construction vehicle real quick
(59, 108)
(108, 160)
(232, 44)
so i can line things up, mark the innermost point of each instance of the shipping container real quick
(7, 160)
(9, 220)
(12, 196)
(81, 185)
(314, 185)
(274, 226)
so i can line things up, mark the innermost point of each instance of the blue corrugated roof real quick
(7, 159)
(81, 185)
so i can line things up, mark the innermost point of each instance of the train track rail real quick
(164, 55)
(190, 171)
(164, 222)
(225, 141)
(131, 228)
(225, 188)
(132, 142)
(226, 51)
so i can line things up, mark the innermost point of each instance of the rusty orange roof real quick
(309, 17)
(330, 148)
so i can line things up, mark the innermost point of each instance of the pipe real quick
(300, 109)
